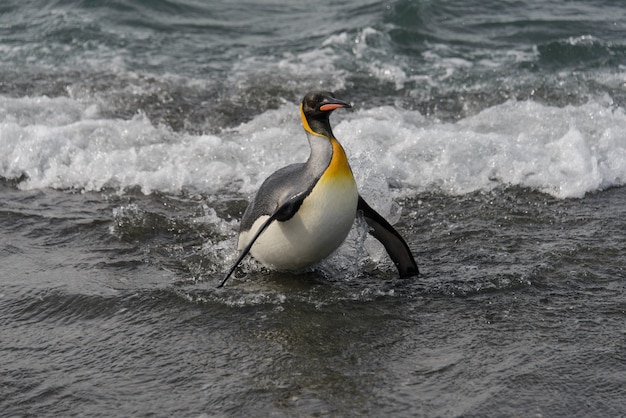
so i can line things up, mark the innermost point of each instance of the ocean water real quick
(133, 133)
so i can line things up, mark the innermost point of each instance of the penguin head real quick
(315, 110)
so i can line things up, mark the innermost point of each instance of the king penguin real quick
(304, 211)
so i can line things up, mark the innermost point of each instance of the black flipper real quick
(395, 245)
(283, 213)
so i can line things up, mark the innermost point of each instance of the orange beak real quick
(329, 107)
(334, 104)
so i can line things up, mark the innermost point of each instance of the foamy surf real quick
(563, 151)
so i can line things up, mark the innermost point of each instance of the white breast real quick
(316, 230)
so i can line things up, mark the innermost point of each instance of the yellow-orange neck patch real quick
(339, 166)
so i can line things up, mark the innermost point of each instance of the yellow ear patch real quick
(305, 123)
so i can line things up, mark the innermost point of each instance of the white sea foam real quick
(61, 143)
(566, 152)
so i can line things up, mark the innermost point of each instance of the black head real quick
(315, 110)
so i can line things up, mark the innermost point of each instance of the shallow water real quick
(519, 310)
(134, 133)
